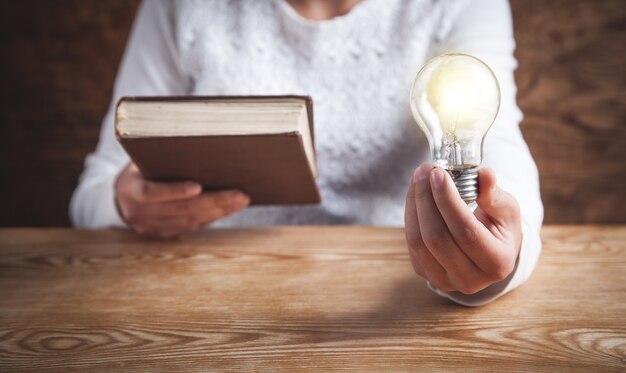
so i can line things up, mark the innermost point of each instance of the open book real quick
(261, 145)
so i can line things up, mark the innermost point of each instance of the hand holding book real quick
(239, 150)
(169, 209)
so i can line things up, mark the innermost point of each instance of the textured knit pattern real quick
(358, 68)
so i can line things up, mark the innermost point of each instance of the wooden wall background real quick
(59, 60)
(572, 89)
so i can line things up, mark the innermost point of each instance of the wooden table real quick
(297, 299)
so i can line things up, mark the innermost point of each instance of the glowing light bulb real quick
(455, 99)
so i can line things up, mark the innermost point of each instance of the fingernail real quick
(192, 188)
(421, 173)
(437, 178)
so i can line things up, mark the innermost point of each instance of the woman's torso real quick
(358, 68)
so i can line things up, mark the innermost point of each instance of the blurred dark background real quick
(59, 59)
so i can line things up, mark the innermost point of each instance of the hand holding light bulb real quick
(455, 99)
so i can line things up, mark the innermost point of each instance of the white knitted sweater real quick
(358, 68)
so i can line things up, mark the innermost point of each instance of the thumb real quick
(499, 205)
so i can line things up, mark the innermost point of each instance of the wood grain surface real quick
(59, 60)
(298, 299)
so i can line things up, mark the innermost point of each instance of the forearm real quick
(93, 202)
(150, 66)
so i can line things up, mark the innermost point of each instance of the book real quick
(261, 145)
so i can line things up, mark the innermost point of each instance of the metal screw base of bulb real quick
(466, 181)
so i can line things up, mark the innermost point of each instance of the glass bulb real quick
(455, 99)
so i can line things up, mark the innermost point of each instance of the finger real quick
(498, 210)
(209, 216)
(426, 266)
(472, 237)
(144, 191)
(499, 205)
(417, 267)
(433, 271)
(418, 249)
(411, 230)
(418, 253)
(200, 207)
(436, 235)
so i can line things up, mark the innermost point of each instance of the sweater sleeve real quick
(483, 28)
(150, 66)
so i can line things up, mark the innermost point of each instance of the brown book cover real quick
(272, 168)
